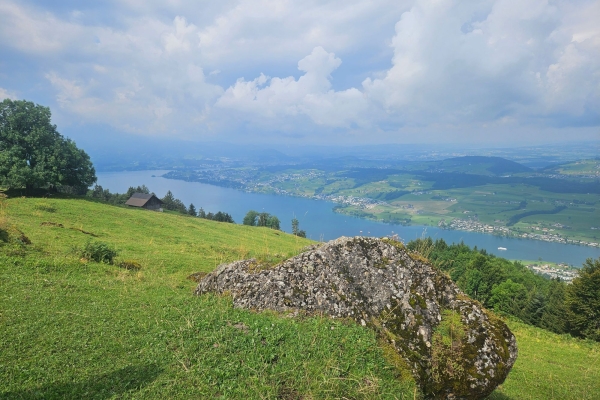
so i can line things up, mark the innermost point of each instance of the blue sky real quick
(320, 72)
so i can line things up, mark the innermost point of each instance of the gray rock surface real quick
(455, 348)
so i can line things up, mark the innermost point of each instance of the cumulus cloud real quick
(7, 94)
(454, 66)
(33, 31)
(309, 95)
(274, 31)
(145, 80)
(467, 61)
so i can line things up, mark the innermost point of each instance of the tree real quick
(583, 302)
(254, 218)
(535, 307)
(192, 210)
(168, 200)
(554, 314)
(98, 192)
(173, 204)
(250, 218)
(34, 155)
(295, 230)
(273, 222)
(223, 217)
(201, 213)
(509, 297)
(139, 189)
(263, 218)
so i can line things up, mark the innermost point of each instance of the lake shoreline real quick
(321, 223)
(339, 209)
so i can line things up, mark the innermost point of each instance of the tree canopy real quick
(295, 230)
(173, 204)
(254, 218)
(33, 154)
(583, 301)
(511, 288)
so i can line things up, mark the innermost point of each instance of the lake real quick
(321, 223)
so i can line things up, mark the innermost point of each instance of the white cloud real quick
(157, 67)
(275, 31)
(463, 61)
(147, 79)
(36, 32)
(309, 95)
(7, 94)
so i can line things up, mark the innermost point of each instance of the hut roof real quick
(140, 199)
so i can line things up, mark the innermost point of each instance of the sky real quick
(347, 72)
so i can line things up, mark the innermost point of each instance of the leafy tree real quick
(192, 210)
(98, 192)
(180, 207)
(34, 155)
(471, 282)
(263, 218)
(250, 218)
(254, 218)
(301, 233)
(273, 222)
(583, 302)
(295, 230)
(210, 216)
(223, 217)
(478, 275)
(509, 297)
(139, 189)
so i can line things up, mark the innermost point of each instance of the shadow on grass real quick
(105, 386)
(496, 395)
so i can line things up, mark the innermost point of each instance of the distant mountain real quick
(481, 165)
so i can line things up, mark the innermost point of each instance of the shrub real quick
(99, 252)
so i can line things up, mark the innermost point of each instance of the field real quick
(588, 168)
(71, 328)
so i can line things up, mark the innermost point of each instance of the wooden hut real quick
(147, 201)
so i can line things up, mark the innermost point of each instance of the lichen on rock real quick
(455, 348)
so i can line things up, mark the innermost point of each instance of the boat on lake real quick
(501, 248)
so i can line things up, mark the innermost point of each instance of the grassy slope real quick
(74, 330)
(551, 366)
(70, 329)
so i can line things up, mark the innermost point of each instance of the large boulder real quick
(455, 348)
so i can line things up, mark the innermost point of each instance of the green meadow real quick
(580, 167)
(492, 205)
(71, 328)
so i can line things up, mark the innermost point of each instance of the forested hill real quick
(481, 165)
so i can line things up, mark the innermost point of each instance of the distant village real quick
(562, 271)
(547, 235)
